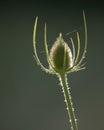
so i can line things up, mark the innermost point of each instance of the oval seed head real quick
(61, 55)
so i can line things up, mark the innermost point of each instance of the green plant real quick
(63, 61)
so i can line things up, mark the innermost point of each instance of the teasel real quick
(62, 61)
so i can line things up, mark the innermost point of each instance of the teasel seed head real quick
(61, 55)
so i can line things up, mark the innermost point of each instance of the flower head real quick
(61, 55)
(61, 58)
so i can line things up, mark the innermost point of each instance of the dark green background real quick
(31, 99)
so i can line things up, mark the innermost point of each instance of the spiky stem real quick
(67, 96)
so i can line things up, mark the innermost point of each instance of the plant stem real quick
(67, 96)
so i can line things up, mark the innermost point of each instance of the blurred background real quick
(30, 99)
